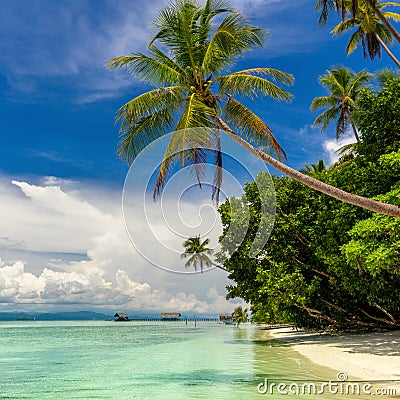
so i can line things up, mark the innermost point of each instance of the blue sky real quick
(60, 179)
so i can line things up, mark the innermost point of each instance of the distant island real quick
(57, 316)
(85, 316)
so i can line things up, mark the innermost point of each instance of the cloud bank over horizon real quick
(50, 220)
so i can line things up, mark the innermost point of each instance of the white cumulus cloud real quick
(331, 146)
(50, 219)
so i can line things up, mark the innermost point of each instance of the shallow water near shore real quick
(147, 360)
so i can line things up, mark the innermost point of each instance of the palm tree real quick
(239, 315)
(316, 169)
(326, 6)
(374, 4)
(194, 90)
(343, 86)
(383, 76)
(343, 6)
(369, 31)
(198, 253)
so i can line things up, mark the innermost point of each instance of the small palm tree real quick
(239, 315)
(197, 47)
(343, 86)
(316, 169)
(198, 254)
(369, 30)
(383, 76)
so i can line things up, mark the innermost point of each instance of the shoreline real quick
(367, 356)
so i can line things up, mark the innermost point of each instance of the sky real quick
(64, 241)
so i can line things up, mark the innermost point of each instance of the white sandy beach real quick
(369, 356)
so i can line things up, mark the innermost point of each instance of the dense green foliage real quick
(379, 123)
(328, 263)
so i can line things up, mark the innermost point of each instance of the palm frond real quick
(247, 84)
(385, 75)
(326, 117)
(323, 101)
(147, 118)
(232, 38)
(392, 15)
(249, 126)
(344, 26)
(346, 149)
(148, 69)
(325, 6)
(176, 28)
(354, 40)
(160, 56)
(211, 9)
(148, 103)
(187, 140)
(138, 136)
(359, 81)
(336, 80)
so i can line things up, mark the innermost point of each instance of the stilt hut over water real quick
(121, 317)
(226, 318)
(170, 316)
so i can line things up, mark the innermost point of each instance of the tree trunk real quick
(220, 267)
(390, 54)
(368, 204)
(378, 12)
(354, 130)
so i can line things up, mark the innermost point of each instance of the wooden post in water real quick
(195, 321)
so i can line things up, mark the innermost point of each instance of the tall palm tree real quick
(343, 86)
(198, 254)
(369, 31)
(344, 6)
(326, 6)
(189, 66)
(239, 315)
(374, 4)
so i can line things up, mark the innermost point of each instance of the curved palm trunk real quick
(378, 12)
(368, 204)
(220, 267)
(355, 130)
(390, 54)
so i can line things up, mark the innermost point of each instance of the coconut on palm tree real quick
(189, 58)
(343, 86)
(239, 315)
(198, 254)
(369, 31)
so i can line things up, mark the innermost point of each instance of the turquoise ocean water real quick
(145, 360)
